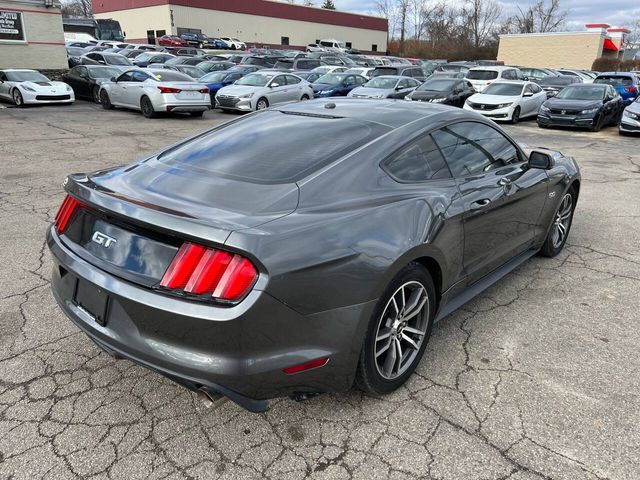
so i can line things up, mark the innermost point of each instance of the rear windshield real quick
(482, 75)
(170, 76)
(251, 149)
(615, 80)
(384, 71)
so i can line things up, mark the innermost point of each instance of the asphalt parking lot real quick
(535, 379)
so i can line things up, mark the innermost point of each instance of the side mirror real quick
(114, 79)
(398, 88)
(527, 94)
(274, 85)
(543, 160)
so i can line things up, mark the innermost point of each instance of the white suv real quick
(482, 77)
(233, 43)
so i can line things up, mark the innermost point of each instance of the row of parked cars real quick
(159, 81)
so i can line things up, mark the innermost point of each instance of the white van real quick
(79, 37)
(333, 45)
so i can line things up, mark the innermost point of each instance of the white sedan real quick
(155, 90)
(508, 100)
(23, 87)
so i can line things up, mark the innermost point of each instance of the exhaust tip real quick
(209, 399)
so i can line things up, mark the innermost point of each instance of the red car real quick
(171, 41)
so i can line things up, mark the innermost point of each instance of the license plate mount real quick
(92, 300)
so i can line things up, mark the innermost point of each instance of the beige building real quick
(260, 22)
(31, 35)
(563, 49)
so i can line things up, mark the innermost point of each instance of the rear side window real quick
(471, 148)
(251, 150)
(417, 162)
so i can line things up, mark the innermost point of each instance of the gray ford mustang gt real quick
(304, 248)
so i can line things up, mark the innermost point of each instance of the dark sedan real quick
(337, 84)
(86, 80)
(238, 271)
(103, 58)
(215, 66)
(448, 91)
(553, 84)
(583, 105)
(147, 58)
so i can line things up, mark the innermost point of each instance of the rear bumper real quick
(239, 352)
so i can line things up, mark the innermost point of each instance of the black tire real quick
(233, 47)
(515, 117)
(368, 375)
(16, 95)
(304, 97)
(550, 247)
(196, 114)
(147, 108)
(262, 103)
(596, 127)
(95, 94)
(105, 101)
(540, 125)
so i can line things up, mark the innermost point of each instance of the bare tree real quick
(539, 17)
(403, 12)
(388, 10)
(419, 13)
(480, 18)
(77, 8)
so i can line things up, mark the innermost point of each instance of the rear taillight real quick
(67, 210)
(204, 90)
(631, 89)
(200, 270)
(169, 90)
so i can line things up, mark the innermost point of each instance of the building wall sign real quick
(11, 26)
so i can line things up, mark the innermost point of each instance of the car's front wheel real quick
(105, 100)
(262, 104)
(515, 116)
(557, 236)
(17, 98)
(398, 332)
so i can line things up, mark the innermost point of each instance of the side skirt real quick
(485, 282)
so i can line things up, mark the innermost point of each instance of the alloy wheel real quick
(401, 330)
(262, 104)
(17, 97)
(562, 221)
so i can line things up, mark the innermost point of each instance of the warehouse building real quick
(259, 22)
(563, 49)
(31, 35)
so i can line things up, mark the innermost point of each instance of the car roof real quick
(512, 82)
(494, 68)
(588, 85)
(392, 113)
(617, 74)
(19, 70)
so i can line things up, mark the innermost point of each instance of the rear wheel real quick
(262, 104)
(105, 101)
(515, 116)
(557, 236)
(95, 94)
(17, 98)
(147, 108)
(398, 332)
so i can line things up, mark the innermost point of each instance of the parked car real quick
(233, 43)
(340, 272)
(185, 51)
(447, 74)
(215, 66)
(385, 86)
(583, 77)
(333, 59)
(184, 61)
(74, 54)
(482, 77)
(404, 70)
(257, 91)
(337, 84)
(263, 61)
(552, 85)
(244, 69)
(86, 80)
(103, 58)
(131, 54)
(448, 91)
(364, 71)
(626, 83)
(27, 87)
(324, 69)
(309, 76)
(333, 45)
(582, 105)
(217, 44)
(171, 41)
(298, 63)
(508, 100)
(190, 70)
(147, 58)
(630, 121)
(453, 68)
(214, 81)
(153, 91)
(537, 74)
(197, 39)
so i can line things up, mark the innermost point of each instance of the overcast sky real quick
(613, 12)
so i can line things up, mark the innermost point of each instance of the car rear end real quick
(481, 78)
(179, 97)
(626, 84)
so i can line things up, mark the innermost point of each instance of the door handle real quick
(480, 204)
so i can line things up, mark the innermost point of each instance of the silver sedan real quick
(259, 90)
(152, 91)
